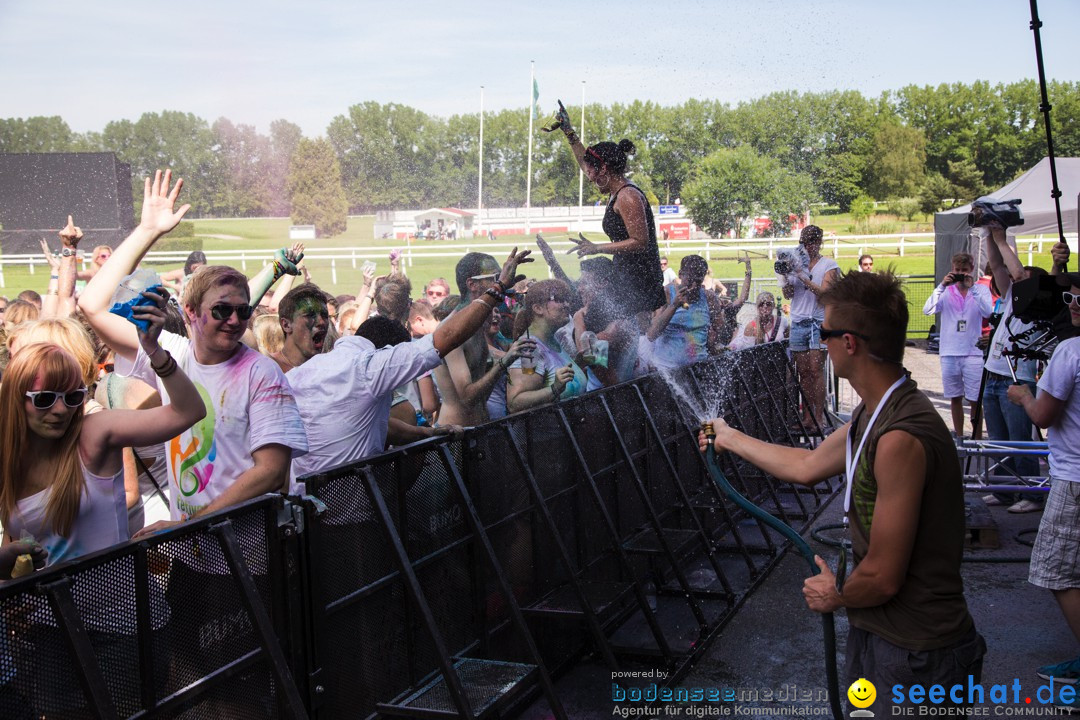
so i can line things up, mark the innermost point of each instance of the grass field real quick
(248, 234)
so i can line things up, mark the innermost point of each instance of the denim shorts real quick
(805, 335)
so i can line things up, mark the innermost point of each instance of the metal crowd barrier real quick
(450, 578)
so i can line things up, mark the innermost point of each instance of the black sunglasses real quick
(840, 332)
(224, 312)
(45, 399)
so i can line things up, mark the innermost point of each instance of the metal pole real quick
(480, 171)
(528, 166)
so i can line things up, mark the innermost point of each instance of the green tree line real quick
(935, 146)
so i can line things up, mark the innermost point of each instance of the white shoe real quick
(1026, 506)
(992, 500)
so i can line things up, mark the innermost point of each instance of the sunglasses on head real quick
(489, 276)
(45, 399)
(224, 311)
(1070, 298)
(840, 332)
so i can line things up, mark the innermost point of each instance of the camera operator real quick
(1055, 557)
(1004, 420)
(962, 305)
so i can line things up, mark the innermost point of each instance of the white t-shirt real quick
(249, 405)
(344, 398)
(961, 317)
(1061, 379)
(804, 304)
(670, 276)
(998, 363)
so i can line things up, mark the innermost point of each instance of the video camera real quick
(986, 210)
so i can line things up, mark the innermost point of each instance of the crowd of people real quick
(124, 419)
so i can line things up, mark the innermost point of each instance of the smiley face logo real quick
(862, 693)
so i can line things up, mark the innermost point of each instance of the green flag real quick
(536, 96)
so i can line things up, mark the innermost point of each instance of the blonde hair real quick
(19, 312)
(67, 333)
(269, 336)
(210, 276)
(759, 334)
(58, 371)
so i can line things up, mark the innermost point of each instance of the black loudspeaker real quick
(39, 190)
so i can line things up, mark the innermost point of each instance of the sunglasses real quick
(1070, 298)
(45, 399)
(840, 332)
(436, 293)
(224, 312)
(491, 276)
(766, 304)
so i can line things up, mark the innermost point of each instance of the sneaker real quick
(1067, 670)
(992, 500)
(1026, 506)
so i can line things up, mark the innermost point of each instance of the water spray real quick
(827, 621)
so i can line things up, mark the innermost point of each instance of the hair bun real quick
(627, 147)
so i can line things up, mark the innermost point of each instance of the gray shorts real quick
(885, 665)
(1055, 559)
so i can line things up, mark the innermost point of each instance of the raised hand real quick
(70, 235)
(560, 120)
(509, 276)
(563, 376)
(584, 246)
(154, 314)
(524, 346)
(545, 249)
(158, 215)
(286, 259)
(54, 262)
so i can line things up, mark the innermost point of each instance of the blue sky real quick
(309, 61)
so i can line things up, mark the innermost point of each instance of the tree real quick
(35, 135)
(862, 208)
(315, 190)
(898, 161)
(729, 187)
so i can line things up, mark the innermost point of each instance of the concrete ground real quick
(772, 651)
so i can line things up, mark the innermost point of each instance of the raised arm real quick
(561, 121)
(158, 218)
(69, 240)
(552, 261)
(285, 261)
(745, 294)
(1005, 265)
(106, 433)
(51, 301)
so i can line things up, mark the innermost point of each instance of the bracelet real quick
(165, 369)
(54, 277)
(498, 295)
(572, 137)
(150, 357)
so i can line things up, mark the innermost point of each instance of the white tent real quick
(952, 234)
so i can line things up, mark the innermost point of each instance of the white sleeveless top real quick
(101, 522)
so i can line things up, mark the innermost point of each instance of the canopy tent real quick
(952, 234)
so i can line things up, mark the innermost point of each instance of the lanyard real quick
(853, 461)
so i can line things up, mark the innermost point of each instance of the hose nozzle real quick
(709, 430)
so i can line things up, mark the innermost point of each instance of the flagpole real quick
(480, 171)
(528, 170)
(581, 173)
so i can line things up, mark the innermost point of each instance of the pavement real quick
(770, 657)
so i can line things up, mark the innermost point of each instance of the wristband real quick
(497, 294)
(68, 252)
(572, 137)
(54, 277)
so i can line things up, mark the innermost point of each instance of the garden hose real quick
(827, 622)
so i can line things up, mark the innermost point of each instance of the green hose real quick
(826, 618)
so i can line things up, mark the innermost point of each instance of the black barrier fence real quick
(451, 578)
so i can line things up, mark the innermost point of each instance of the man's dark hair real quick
(295, 297)
(696, 265)
(470, 265)
(392, 301)
(383, 331)
(196, 256)
(447, 306)
(811, 234)
(873, 304)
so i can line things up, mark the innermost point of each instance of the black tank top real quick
(641, 279)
